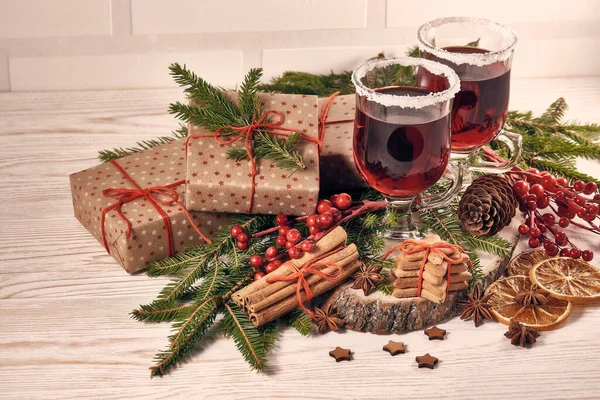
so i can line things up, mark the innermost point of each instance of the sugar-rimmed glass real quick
(402, 137)
(480, 51)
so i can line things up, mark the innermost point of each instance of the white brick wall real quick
(110, 44)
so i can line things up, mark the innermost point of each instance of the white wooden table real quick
(65, 331)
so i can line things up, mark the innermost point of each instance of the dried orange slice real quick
(568, 279)
(521, 264)
(505, 307)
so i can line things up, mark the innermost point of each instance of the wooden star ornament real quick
(340, 354)
(427, 361)
(395, 348)
(435, 333)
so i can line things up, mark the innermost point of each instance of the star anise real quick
(327, 320)
(521, 335)
(367, 278)
(477, 307)
(532, 297)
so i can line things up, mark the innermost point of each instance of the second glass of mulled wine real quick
(402, 136)
(480, 52)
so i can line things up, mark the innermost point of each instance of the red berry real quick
(590, 188)
(323, 206)
(293, 235)
(543, 202)
(332, 198)
(325, 220)
(532, 205)
(562, 181)
(575, 253)
(549, 218)
(587, 255)
(531, 197)
(522, 207)
(563, 222)
(537, 190)
(337, 214)
(311, 220)
(578, 186)
(592, 208)
(535, 232)
(313, 230)
(306, 246)
(548, 182)
(281, 219)
(552, 250)
(242, 245)
(278, 262)
(289, 245)
(534, 171)
(580, 201)
(523, 229)
(581, 213)
(270, 268)
(271, 252)
(521, 188)
(235, 231)
(533, 242)
(259, 275)
(571, 214)
(562, 211)
(283, 230)
(343, 201)
(564, 252)
(597, 197)
(542, 228)
(280, 241)
(257, 261)
(295, 253)
(243, 237)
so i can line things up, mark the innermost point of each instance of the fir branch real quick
(280, 151)
(556, 111)
(248, 339)
(120, 152)
(300, 321)
(496, 245)
(565, 171)
(178, 262)
(248, 102)
(159, 312)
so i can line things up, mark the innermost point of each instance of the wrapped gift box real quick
(134, 206)
(338, 171)
(219, 184)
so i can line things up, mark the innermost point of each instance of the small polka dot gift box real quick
(217, 183)
(336, 127)
(134, 207)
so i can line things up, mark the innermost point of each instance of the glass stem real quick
(404, 227)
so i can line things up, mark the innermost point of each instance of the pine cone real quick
(487, 206)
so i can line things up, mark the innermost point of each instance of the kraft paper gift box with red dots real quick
(219, 184)
(134, 206)
(336, 128)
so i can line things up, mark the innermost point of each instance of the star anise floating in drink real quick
(476, 307)
(533, 297)
(367, 278)
(327, 320)
(521, 335)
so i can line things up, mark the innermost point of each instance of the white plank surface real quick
(64, 325)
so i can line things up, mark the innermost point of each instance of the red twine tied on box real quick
(153, 196)
(311, 267)
(323, 116)
(247, 132)
(414, 246)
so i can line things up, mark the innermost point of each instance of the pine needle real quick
(300, 321)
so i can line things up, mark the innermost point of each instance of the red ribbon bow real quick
(247, 133)
(312, 267)
(156, 195)
(415, 246)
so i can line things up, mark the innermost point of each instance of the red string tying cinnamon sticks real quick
(156, 195)
(247, 133)
(312, 267)
(414, 246)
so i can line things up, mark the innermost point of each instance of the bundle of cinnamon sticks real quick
(266, 299)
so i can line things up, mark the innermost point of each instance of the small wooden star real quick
(395, 348)
(427, 361)
(435, 333)
(340, 354)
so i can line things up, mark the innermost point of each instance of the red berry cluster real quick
(290, 240)
(542, 191)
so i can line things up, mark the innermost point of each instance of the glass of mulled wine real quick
(402, 136)
(480, 52)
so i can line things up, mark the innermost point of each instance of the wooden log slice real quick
(379, 313)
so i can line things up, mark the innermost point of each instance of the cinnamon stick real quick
(278, 291)
(327, 243)
(277, 310)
